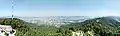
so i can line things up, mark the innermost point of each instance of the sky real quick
(60, 7)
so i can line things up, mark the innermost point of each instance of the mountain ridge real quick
(101, 26)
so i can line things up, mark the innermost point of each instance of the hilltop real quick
(102, 26)
(27, 29)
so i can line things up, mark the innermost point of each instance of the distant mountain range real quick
(56, 20)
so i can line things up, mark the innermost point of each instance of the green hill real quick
(103, 26)
(28, 29)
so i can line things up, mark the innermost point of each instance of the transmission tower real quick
(13, 8)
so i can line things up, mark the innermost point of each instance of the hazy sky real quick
(61, 7)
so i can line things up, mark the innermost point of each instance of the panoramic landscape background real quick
(61, 17)
(64, 26)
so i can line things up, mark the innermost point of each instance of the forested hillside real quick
(28, 29)
(103, 26)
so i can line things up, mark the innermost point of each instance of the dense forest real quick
(103, 26)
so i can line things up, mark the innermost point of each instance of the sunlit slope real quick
(103, 26)
(28, 29)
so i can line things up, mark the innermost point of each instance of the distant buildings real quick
(7, 29)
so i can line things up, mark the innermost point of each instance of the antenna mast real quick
(13, 8)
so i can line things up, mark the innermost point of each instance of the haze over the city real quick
(61, 7)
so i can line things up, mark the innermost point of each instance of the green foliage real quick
(105, 27)
(27, 29)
